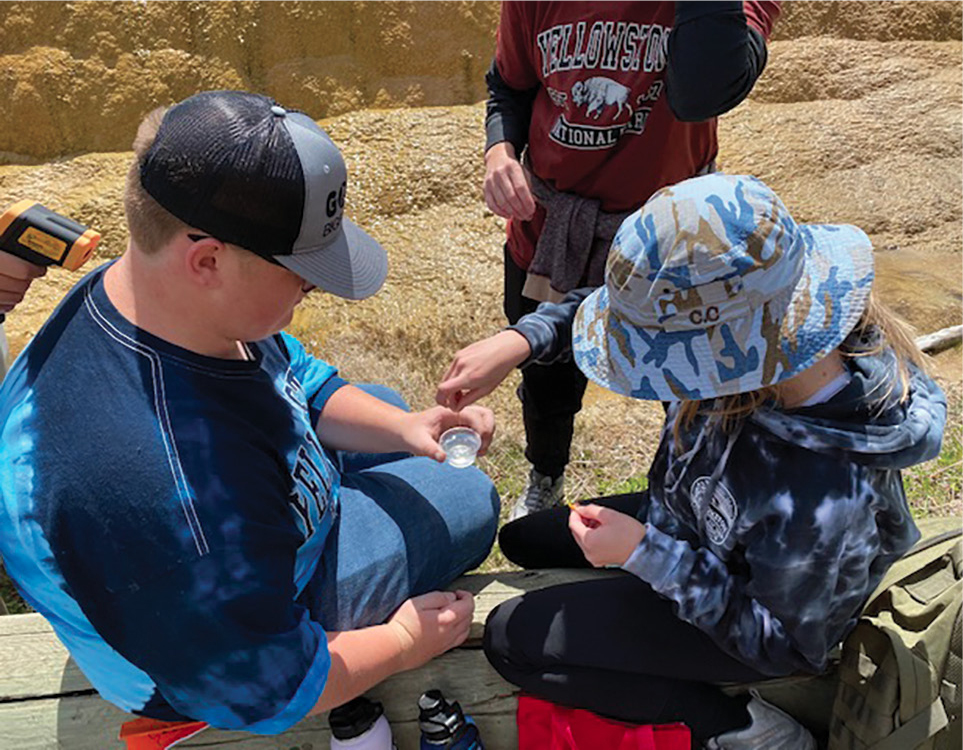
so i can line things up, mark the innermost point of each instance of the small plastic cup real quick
(460, 445)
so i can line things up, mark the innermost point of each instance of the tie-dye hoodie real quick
(770, 538)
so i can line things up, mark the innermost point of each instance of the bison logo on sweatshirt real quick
(599, 92)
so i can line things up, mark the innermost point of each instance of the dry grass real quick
(936, 488)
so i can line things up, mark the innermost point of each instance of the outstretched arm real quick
(353, 420)
(348, 418)
(541, 337)
(479, 368)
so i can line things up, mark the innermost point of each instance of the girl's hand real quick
(423, 428)
(606, 536)
(478, 368)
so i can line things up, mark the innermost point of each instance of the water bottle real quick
(444, 726)
(360, 724)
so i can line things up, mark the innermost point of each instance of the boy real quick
(216, 524)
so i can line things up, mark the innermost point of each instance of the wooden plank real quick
(35, 663)
(30, 624)
(90, 723)
(46, 702)
(78, 723)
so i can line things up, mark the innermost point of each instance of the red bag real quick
(547, 726)
(152, 734)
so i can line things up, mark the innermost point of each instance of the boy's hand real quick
(423, 428)
(431, 624)
(16, 275)
(506, 188)
(478, 369)
(606, 536)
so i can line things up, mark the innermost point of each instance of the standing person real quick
(216, 524)
(774, 501)
(609, 101)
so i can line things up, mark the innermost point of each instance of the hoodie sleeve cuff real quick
(657, 555)
(538, 333)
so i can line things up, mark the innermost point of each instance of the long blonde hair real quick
(878, 329)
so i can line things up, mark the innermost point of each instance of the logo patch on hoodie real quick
(717, 514)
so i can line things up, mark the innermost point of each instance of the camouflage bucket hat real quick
(712, 289)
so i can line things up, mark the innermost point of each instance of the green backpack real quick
(899, 675)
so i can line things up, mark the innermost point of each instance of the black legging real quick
(551, 395)
(613, 645)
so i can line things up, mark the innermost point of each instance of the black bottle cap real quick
(438, 719)
(354, 718)
(430, 701)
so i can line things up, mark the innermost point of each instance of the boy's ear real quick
(204, 262)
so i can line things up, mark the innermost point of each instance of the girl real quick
(774, 502)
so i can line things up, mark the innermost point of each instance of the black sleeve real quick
(715, 58)
(509, 112)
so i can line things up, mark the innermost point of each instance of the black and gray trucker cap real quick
(251, 173)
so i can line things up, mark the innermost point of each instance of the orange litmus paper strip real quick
(151, 734)
(574, 505)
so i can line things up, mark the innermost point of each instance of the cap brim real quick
(649, 363)
(829, 299)
(592, 338)
(353, 265)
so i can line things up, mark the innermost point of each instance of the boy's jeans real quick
(407, 526)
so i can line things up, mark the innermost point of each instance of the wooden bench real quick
(46, 702)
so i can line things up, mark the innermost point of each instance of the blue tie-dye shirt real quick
(164, 510)
(771, 537)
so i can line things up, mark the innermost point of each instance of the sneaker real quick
(541, 492)
(770, 729)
